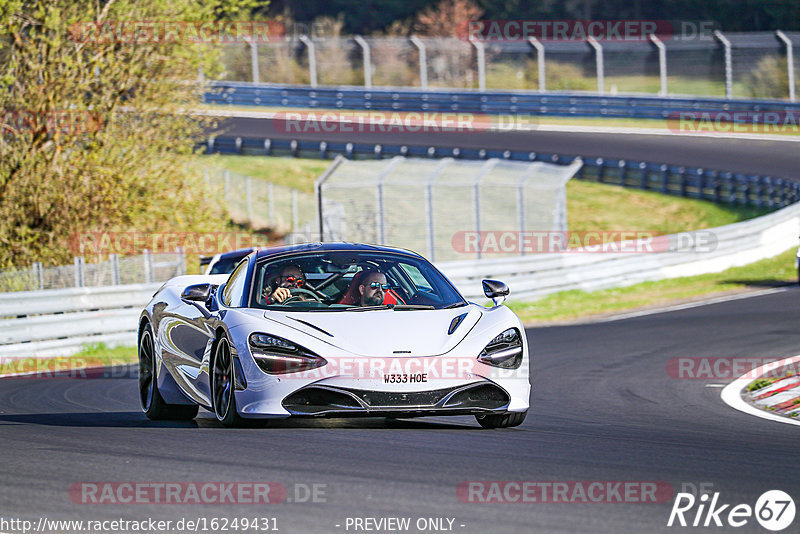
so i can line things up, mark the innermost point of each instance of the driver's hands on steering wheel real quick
(280, 294)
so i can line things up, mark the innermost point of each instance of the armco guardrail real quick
(493, 102)
(59, 322)
(691, 182)
(541, 274)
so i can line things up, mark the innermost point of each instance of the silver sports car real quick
(333, 329)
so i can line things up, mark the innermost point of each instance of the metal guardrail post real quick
(360, 41)
(78, 263)
(726, 44)
(254, 61)
(540, 62)
(423, 61)
(481, 63)
(38, 273)
(147, 260)
(312, 59)
(789, 61)
(598, 54)
(662, 62)
(115, 279)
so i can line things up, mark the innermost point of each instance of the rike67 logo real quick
(774, 510)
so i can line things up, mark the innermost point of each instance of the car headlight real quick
(275, 355)
(504, 351)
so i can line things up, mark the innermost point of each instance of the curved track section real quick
(768, 157)
(604, 408)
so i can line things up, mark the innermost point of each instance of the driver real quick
(291, 277)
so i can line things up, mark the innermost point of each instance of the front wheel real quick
(153, 405)
(503, 420)
(223, 380)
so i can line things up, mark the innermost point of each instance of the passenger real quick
(372, 288)
(279, 289)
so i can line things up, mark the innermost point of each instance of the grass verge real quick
(95, 355)
(568, 305)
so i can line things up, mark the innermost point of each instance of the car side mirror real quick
(495, 290)
(197, 292)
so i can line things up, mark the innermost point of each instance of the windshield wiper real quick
(369, 308)
(454, 305)
(413, 307)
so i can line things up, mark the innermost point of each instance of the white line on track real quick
(731, 394)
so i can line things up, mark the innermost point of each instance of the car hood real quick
(382, 333)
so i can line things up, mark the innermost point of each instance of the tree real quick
(94, 127)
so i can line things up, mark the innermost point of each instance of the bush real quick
(770, 79)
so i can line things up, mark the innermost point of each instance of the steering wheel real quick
(297, 291)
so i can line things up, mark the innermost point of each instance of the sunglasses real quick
(291, 280)
(376, 285)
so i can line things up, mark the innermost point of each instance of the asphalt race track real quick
(770, 158)
(603, 409)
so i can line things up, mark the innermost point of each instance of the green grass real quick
(568, 305)
(94, 355)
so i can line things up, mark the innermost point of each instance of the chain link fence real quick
(116, 270)
(439, 207)
(693, 66)
(261, 204)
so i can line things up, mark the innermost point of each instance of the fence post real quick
(312, 59)
(539, 62)
(360, 41)
(254, 61)
(598, 51)
(38, 273)
(379, 192)
(78, 263)
(423, 61)
(248, 183)
(114, 259)
(789, 62)
(476, 197)
(481, 63)
(271, 192)
(181, 252)
(147, 259)
(662, 62)
(295, 215)
(726, 44)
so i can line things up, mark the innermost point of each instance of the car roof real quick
(242, 252)
(326, 247)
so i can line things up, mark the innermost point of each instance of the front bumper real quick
(320, 400)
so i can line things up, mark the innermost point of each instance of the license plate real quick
(405, 378)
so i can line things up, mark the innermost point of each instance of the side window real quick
(419, 280)
(234, 289)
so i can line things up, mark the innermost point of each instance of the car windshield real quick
(350, 281)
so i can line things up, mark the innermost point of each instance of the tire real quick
(150, 399)
(503, 420)
(222, 385)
